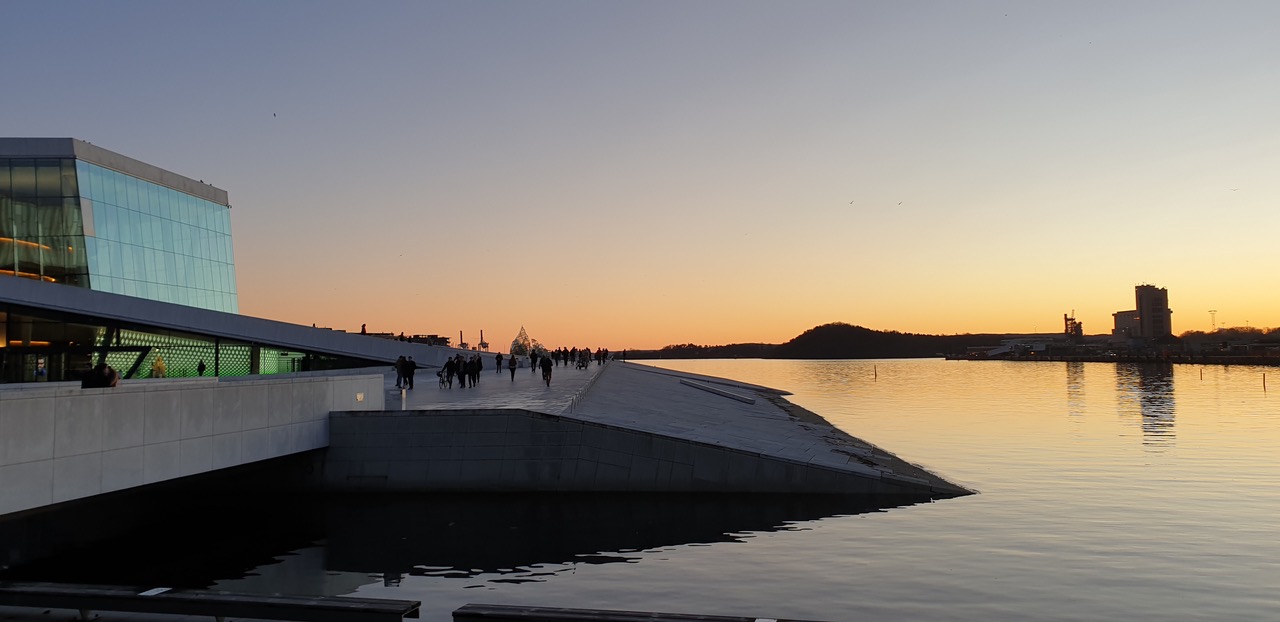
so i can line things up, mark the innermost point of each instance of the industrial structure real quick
(1150, 320)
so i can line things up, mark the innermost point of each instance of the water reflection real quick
(332, 545)
(1145, 392)
(1075, 388)
(465, 536)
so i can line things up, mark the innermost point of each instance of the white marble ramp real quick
(662, 401)
(617, 427)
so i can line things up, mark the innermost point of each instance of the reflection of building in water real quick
(1146, 391)
(1075, 388)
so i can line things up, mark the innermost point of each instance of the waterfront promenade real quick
(617, 427)
(494, 390)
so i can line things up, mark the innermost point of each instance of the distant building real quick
(1151, 320)
(1126, 324)
(1153, 311)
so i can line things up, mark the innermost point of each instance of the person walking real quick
(410, 366)
(460, 362)
(546, 370)
(450, 368)
(200, 368)
(511, 365)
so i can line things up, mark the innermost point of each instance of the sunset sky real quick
(637, 174)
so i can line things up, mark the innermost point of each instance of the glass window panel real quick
(90, 182)
(127, 264)
(170, 197)
(23, 179)
(166, 235)
(122, 193)
(116, 268)
(135, 192)
(158, 199)
(48, 178)
(124, 233)
(171, 267)
(106, 186)
(139, 195)
(6, 189)
(70, 188)
(105, 224)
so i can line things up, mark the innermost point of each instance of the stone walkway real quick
(495, 390)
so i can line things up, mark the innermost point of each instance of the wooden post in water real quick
(875, 374)
(1264, 382)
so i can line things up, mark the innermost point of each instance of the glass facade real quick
(46, 346)
(150, 241)
(69, 221)
(41, 230)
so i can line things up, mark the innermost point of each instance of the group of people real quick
(404, 372)
(467, 369)
(571, 356)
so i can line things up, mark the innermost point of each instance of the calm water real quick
(1107, 492)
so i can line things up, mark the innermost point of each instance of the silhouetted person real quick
(450, 368)
(546, 370)
(499, 359)
(362, 330)
(511, 365)
(200, 368)
(410, 366)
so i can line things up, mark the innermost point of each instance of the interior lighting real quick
(30, 275)
(26, 243)
(14, 342)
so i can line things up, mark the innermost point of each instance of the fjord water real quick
(1106, 491)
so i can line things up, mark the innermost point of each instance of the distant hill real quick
(834, 341)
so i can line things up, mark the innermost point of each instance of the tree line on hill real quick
(833, 341)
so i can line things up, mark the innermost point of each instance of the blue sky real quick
(694, 171)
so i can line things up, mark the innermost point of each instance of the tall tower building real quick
(1154, 315)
